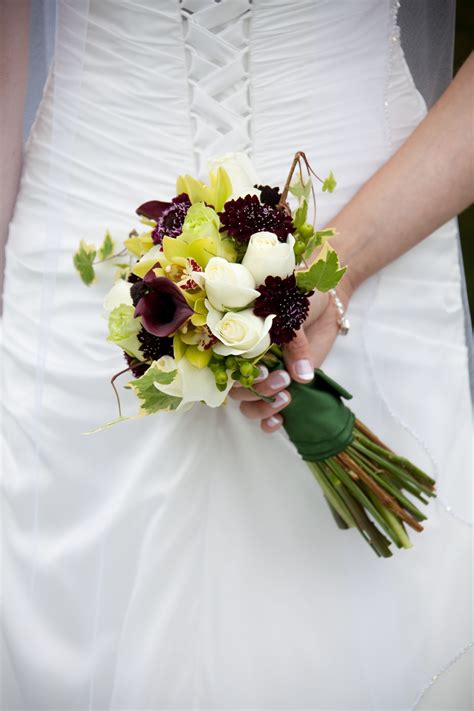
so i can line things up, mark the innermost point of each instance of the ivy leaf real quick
(107, 246)
(300, 215)
(330, 183)
(83, 261)
(151, 399)
(325, 234)
(324, 274)
(300, 189)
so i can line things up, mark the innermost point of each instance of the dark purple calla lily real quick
(163, 309)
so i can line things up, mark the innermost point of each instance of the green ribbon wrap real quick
(317, 421)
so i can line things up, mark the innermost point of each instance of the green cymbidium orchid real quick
(194, 339)
(138, 245)
(193, 343)
(200, 239)
(215, 194)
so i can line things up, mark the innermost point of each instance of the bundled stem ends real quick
(365, 487)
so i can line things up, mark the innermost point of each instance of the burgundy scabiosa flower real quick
(290, 305)
(154, 347)
(169, 216)
(163, 308)
(246, 215)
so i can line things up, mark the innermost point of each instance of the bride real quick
(189, 560)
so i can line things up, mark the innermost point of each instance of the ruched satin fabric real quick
(188, 561)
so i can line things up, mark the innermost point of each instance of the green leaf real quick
(151, 399)
(83, 261)
(324, 274)
(317, 240)
(300, 189)
(329, 232)
(330, 183)
(107, 246)
(164, 377)
(300, 215)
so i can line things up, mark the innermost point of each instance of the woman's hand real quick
(304, 353)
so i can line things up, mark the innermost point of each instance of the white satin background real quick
(188, 561)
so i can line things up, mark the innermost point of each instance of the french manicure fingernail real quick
(273, 421)
(280, 399)
(304, 370)
(263, 374)
(279, 379)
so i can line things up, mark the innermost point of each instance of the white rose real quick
(241, 333)
(227, 285)
(118, 295)
(267, 256)
(191, 384)
(240, 171)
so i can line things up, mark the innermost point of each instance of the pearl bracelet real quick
(342, 321)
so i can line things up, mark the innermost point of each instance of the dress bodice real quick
(168, 84)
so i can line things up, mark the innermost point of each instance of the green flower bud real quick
(246, 380)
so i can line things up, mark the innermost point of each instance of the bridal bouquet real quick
(216, 283)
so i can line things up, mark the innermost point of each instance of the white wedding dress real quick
(189, 561)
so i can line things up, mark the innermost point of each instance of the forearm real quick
(425, 183)
(14, 20)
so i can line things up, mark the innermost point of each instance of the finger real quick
(276, 381)
(272, 424)
(243, 395)
(262, 410)
(297, 355)
(263, 375)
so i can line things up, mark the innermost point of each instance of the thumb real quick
(297, 357)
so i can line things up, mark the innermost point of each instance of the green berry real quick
(231, 362)
(221, 377)
(246, 368)
(299, 247)
(256, 371)
(306, 230)
(246, 380)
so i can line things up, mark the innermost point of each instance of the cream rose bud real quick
(240, 171)
(227, 285)
(241, 333)
(267, 256)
